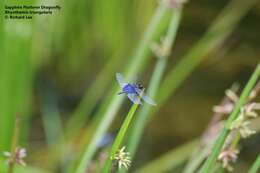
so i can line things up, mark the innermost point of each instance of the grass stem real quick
(14, 144)
(119, 138)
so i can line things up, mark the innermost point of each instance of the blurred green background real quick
(47, 65)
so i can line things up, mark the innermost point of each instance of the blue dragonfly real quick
(134, 91)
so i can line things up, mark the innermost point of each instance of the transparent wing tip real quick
(120, 79)
(153, 103)
(119, 75)
(149, 100)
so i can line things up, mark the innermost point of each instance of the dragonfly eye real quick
(140, 86)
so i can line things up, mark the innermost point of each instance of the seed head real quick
(232, 95)
(226, 157)
(242, 125)
(162, 49)
(17, 156)
(123, 159)
(250, 110)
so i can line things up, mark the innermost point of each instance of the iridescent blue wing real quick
(120, 80)
(134, 98)
(145, 97)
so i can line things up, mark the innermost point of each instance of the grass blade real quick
(119, 138)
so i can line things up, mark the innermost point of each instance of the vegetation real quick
(59, 105)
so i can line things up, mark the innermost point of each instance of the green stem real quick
(119, 138)
(196, 160)
(236, 140)
(221, 139)
(91, 97)
(256, 165)
(14, 144)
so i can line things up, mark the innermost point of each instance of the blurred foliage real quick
(63, 54)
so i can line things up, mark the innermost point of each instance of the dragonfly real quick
(134, 91)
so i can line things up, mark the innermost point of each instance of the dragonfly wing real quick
(134, 98)
(120, 80)
(145, 97)
(148, 100)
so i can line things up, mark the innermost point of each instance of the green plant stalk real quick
(224, 24)
(234, 145)
(15, 76)
(119, 138)
(170, 160)
(235, 141)
(143, 115)
(198, 159)
(112, 104)
(256, 165)
(98, 87)
(94, 93)
(14, 144)
(52, 122)
(221, 139)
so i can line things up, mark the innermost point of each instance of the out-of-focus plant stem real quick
(14, 144)
(112, 103)
(15, 75)
(256, 165)
(171, 159)
(89, 100)
(224, 133)
(119, 138)
(194, 164)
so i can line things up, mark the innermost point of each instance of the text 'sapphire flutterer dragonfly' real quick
(134, 91)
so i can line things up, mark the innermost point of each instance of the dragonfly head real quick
(139, 86)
